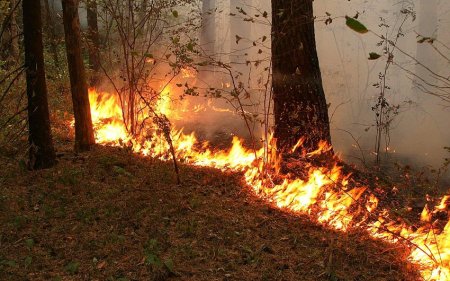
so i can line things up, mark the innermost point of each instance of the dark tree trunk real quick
(51, 32)
(94, 41)
(84, 133)
(42, 153)
(300, 107)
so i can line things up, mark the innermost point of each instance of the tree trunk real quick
(208, 31)
(94, 40)
(84, 133)
(51, 32)
(240, 49)
(42, 153)
(14, 32)
(300, 107)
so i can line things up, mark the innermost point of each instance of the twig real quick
(11, 83)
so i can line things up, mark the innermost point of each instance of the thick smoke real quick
(418, 133)
(421, 130)
(232, 33)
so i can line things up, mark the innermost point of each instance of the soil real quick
(111, 215)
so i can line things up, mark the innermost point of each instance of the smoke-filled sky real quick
(421, 129)
(419, 133)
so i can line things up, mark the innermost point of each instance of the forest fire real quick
(325, 195)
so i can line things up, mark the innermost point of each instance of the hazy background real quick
(420, 131)
(422, 128)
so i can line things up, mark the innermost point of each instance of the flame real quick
(297, 145)
(188, 72)
(425, 216)
(107, 117)
(323, 148)
(324, 194)
(372, 203)
(444, 203)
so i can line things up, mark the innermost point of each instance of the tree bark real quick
(84, 133)
(94, 40)
(300, 107)
(42, 153)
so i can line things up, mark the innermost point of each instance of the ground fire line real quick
(324, 194)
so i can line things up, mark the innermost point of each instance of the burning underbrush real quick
(324, 192)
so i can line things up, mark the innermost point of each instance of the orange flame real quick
(324, 195)
(188, 72)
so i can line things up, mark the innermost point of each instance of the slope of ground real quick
(111, 215)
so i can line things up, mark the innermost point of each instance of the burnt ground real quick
(111, 215)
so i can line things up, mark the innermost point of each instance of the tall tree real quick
(94, 40)
(300, 107)
(208, 32)
(240, 49)
(42, 153)
(84, 133)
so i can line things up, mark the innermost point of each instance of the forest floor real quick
(112, 215)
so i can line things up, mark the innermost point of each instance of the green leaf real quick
(30, 243)
(10, 263)
(28, 261)
(190, 46)
(119, 170)
(152, 259)
(169, 265)
(374, 56)
(355, 25)
(72, 267)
